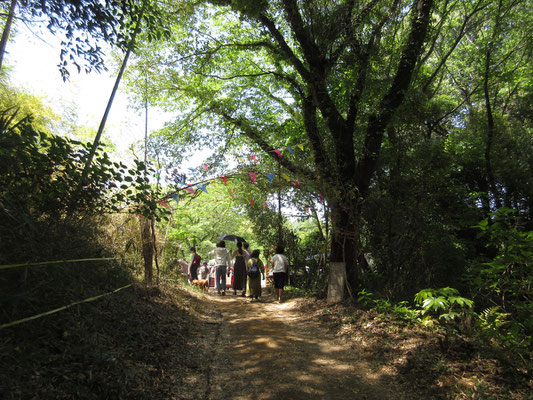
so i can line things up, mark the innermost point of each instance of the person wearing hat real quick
(194, 264)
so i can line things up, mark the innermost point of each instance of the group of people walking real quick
(248, 269)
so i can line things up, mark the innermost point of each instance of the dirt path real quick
(270, 351)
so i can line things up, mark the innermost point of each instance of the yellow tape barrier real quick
(54, 262)
(20, 321)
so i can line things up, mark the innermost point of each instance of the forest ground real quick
(304, 349)
(174, 342)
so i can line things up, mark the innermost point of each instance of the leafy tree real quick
(278, 70)
(85, 25)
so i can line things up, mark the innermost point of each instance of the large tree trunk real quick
(345, 243)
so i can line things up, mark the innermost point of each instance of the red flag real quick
(232, 196)
(296, 183)
(163, 203)
(253, 176)
(190, 189)
(278, 153)
(225, 180)
(265, 205)
(252, 202)
(253, 158)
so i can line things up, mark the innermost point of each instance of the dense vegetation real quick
(405, 130)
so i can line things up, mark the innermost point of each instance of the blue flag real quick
(202, 187)
(270, 177)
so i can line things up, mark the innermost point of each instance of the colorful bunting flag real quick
(321, 197)
(278, 153)
(270, 177)
(253, 176)
(205, 166)
(286, 177)
(192, 169)
(190, 189)
(252, 202)
(254, 158)
(176, 197)
(301, 146)
(265, 205)
(163, 203)
(202, 187)
(225, 180)
(232, 196)
(296, 183)
(290, 149)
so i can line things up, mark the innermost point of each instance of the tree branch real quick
(396, 94)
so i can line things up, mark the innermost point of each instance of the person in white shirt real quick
(222, 261)
(280, 266)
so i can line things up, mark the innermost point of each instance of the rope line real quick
(54, 262)
(20, 321)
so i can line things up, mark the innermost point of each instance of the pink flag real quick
(253, 176)
(205, 166)
(278, 153)
(253, 158)
(163, 203)
(225, 180)
(189, 189)
(265, 205)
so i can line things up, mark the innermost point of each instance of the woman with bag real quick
(255, 270)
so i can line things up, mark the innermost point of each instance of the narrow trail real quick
(266, 351)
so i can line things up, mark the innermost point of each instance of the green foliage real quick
(83, 25)
(39, 173)
(399, 310)
(446, 303)
(505, 279)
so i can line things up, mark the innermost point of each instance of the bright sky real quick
(34, 63)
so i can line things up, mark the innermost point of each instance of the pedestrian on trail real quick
(239, 270)
(255, 270)
(222, 261)
(194, 264)
(280, 266)
(203, 272)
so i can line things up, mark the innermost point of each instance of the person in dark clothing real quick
(194, 264)
(239, 270)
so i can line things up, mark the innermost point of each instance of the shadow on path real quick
(267, 351)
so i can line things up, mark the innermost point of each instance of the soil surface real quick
(265, 350)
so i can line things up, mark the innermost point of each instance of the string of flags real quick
(181, 179)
